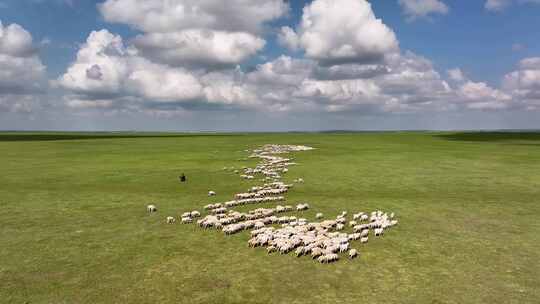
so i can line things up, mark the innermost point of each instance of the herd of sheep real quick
(322, 240)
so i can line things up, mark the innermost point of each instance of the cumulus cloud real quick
(524, 83)
(107, 74)
(288, 38)
(197, 33)
(456, 75)
(159, 16)
(478, 95)
(199, 47)
(422, 8)
(22, 75)
(16, 41)
(105, 69)
(342, 31)
(352, 64)
(405, 82)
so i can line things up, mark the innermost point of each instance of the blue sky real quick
(485, 45)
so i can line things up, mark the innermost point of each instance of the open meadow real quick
(74, 225)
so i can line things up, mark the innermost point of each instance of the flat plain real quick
(74, 226)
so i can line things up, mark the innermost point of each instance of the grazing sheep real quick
(300, 251)
(170, 220)
(151, 208)
(343, 247)
(316, 252)
(355, 236)
(328, 258)
(322, 240)
(302, 207)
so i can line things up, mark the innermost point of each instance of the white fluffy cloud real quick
(199, 47)
(421, 8)
(15, 41)
(352, 64)
(159, 16)
(524, 83)
(105, 69)
(22, 75)
(288, 38)
(456, 74)
(106, 74)
(404, 83)
(197, 33)
(478, 95)
(342, 31)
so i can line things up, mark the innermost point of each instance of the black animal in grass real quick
(182, 178)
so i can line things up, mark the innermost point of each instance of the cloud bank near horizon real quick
(188, 56)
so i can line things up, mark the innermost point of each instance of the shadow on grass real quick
(20, 136)
(491, 136)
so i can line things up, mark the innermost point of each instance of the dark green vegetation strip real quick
(74, 228)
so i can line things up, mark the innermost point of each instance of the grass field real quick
(74, 229)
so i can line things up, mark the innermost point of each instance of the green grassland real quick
(74, 229)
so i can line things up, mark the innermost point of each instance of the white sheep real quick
(170, 220)
(187, 220)
(364, 233)
(353, 253)
(151, 208)
(319, 216)
(195, 213)
(302, 207)
(211, 193)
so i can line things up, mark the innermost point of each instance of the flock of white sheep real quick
(322, 240)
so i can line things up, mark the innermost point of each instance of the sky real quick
(269, 65)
